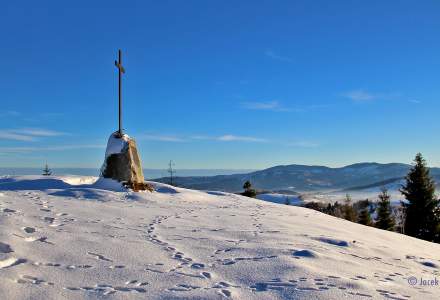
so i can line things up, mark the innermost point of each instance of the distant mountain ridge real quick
(303, 178)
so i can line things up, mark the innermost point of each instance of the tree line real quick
(418, 215)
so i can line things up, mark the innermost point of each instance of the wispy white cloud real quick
(303, 144)
(237, 138)
(73, 147)
(9, 113)
(39, 132)
(273, 55)
(359, 95)
(276, 106)
(160, 138)
(8, 135)
(51, 114)
(26, 117)
(189, 138)
(27, 134)
(414, 101)
(363, 96)
(268, 105)
(226, 138)
(11, 150)
(201, 137)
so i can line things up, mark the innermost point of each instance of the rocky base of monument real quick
(122, 162)
(135, 186)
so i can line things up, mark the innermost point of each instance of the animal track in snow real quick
(5, 248)
(231, 261)
(197, 266)
(117, 267)
(78, 267)
(10, 262)
(42, 239)
(304, 253)
(183, 288)
(29, 229)
(225, 293)
(272, 285)
(223, 284)
(154, 270)
(49, 220)
(107, 289)
(32, 280)
(332, 241)
(99, 256)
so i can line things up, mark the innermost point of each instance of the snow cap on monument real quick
(122, 161)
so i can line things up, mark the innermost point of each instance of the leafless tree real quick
(171, 171)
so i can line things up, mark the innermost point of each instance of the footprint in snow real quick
(197, 266)
(10, 262)
(225, 293)
(99, 256)
(183, 288)
(429, 264)
(49, 220)
(29, 229)
(304, 253)
(70, 267)
(117, 267)
(5, 248)
(332, 241)
(37, 239)
(32, 280)
(48, 264)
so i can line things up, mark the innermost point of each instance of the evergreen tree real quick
(247, 185)
(422, 206)
(334, 210)
(385, 219)
(248, 190)
(47, 171)
(365, 218)
(348, 211)
(318, 206)
(364, 214)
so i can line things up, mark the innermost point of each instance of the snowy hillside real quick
(71, 238)
(280, 198)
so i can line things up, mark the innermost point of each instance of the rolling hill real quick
(302, 178)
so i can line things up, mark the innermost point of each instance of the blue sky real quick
(221, 84)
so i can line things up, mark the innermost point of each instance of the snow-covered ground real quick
(71, 238)
(280, 198)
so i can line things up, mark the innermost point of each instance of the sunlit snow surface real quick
(82, 238)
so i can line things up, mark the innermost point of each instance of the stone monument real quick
(122, 161)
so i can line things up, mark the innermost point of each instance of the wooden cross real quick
(121, 69)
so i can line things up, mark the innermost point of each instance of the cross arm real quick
(119, 66)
